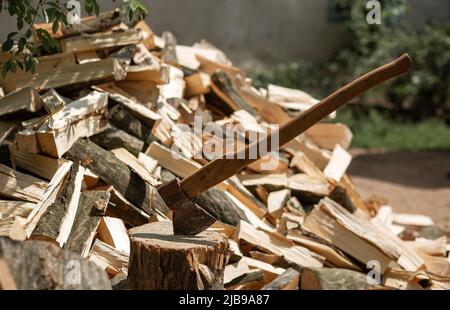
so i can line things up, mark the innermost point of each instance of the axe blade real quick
(188, 217)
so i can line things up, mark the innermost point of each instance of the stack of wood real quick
(87, 139)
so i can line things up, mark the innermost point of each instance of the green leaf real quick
(28, 63)
(21, 44)
(6, 68)
(19, 63)
(89, 6)
(7, 45)
(19, 23)
(13, 67)
(55, 25)
(12, 34)
(96, 7)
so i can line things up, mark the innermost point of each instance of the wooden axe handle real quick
(222, 168)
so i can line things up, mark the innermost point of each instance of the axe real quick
(190, 219)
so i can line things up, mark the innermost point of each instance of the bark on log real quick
(161, 260)
(333, 279)
(38, 265)
(113, 138)
(288, 280)
(224, 88)
(91, 208)
(121, 118)
(57, 222)
(340, 195)
(121, 208)
(114, 172)
(169, 54)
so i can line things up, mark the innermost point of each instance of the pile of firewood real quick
(87, 139)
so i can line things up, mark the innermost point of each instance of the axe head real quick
(188, 217)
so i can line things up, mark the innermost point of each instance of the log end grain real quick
(161, 260)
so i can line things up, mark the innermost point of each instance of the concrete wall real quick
(268, 31)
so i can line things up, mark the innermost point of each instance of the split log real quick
(251, 238)
(143, 57)
(113, 138)
(175, 86)
(333, 256)
(161, 260)
(37, 265)
(226, 90)
(44, 67)
(218, 204)
(318, 156)
(26, 141)
(57, 221)
(291, 98)
(82, 118)
(121, 208)
(108, 258)
(7, 131)
(310, 189)
(288, 280)
(270, 272)
(131, 161)
(338, 164)
(88, 56)
(52, 100)
(236, 271)
(91, 72)
(269, 111)
(112, 231)
(113, 172)
(91, 207)
(304, 164)
(141, 112)
(101, 40)
(197, 84)
(23, 102)
(253, 279)
(48, 197)
(121, 118)
(358, 237)
(16, 208)
(38, 164)
(20, 186)
(333, 279)
(276, 202)
(340, 195)
(144, 92)
(187, 55)
(209, 67)
(147, 34)
(327, 135)
(169, 54)
(155, 73)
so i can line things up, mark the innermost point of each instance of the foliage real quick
(374, 128)
(424, 92)
(18, 44)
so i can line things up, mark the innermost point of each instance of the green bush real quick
(422, 93)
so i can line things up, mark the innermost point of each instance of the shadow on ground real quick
(413, 182)
(422, 169)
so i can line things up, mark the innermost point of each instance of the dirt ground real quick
(413, 182)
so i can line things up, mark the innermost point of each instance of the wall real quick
(268, 31)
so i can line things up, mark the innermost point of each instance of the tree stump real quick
(160, 260)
